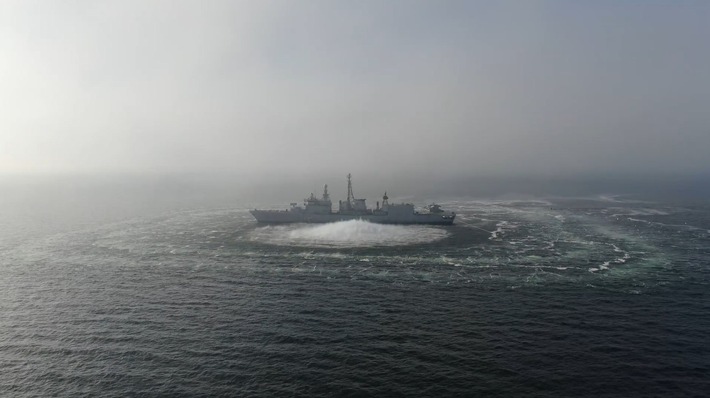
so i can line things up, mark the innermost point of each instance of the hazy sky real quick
(469, 87)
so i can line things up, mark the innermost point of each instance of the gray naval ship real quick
(320, 210)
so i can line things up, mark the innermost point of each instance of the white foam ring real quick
(352, 233)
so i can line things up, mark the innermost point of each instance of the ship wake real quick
(352, 233)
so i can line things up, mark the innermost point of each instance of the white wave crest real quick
(352, 233)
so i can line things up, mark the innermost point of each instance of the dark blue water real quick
(594, 297)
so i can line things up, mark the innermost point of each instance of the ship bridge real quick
(319, 206)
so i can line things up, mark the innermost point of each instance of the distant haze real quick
(267, 88)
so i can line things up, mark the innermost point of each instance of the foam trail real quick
(352, 233)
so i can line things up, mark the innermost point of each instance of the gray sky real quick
(328, 87)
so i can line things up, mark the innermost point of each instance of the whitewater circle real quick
(351, 233)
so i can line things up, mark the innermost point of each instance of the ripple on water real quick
(209, 304)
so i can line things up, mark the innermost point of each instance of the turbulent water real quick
(558, 297)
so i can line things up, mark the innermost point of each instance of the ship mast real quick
(351, 197)
(326, 196)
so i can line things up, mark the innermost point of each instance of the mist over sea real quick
(166, 286)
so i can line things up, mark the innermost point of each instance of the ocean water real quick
(553, 297)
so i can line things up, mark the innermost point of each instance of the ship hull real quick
(288, 217)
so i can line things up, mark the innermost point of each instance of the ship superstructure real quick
(320, 210)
